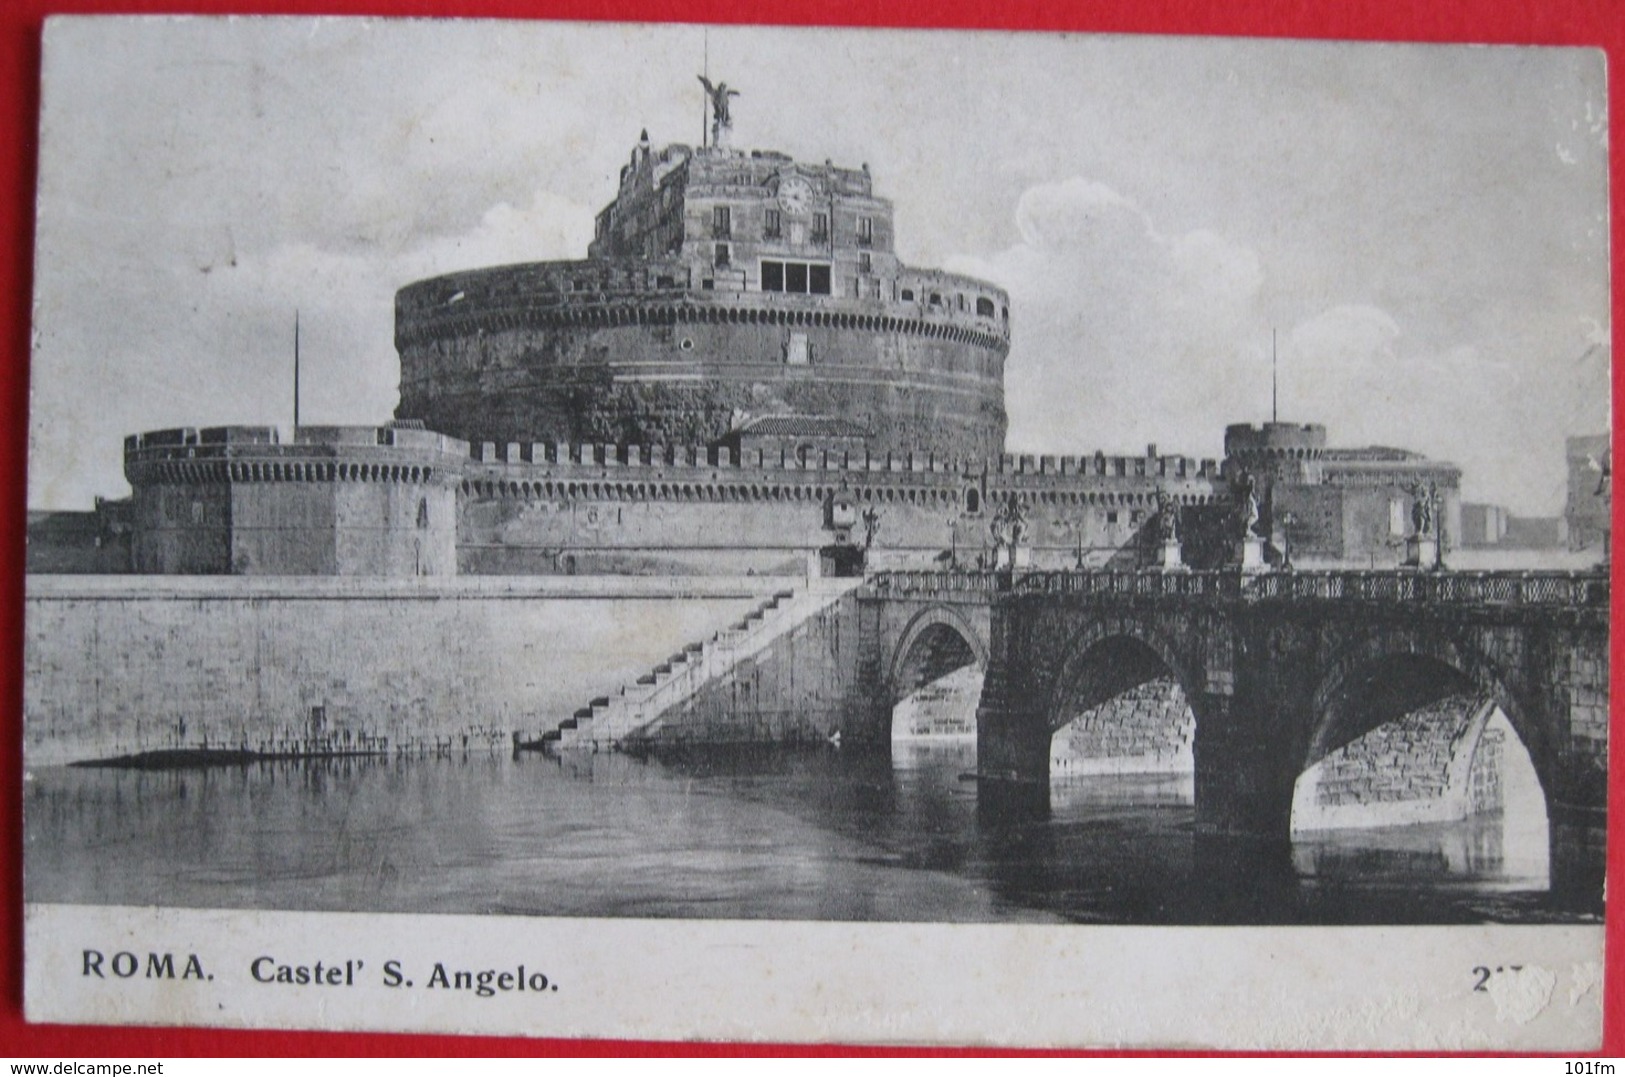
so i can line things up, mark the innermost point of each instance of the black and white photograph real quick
(819, 528)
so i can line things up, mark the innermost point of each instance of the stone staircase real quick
(637, 709)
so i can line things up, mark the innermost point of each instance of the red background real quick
(1596, 23)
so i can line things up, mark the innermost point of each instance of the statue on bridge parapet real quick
(1247, 512)
(1422, 548)
(1247, 505)
(1423, 495)
(871, 526)
(1009, 531)
(1166, 553)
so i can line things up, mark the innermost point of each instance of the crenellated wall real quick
(604, 508)
(336, 501)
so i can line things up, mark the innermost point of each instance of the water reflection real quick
(766, 833)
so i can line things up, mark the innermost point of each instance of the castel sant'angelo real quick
(741, 376)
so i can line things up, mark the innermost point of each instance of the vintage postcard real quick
(801, 535)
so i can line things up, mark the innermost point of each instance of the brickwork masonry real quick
(1433, 765)
(1146, 730)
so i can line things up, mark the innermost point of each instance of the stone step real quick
(646, 699)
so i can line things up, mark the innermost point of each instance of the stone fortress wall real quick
(399, 501)
(120, 665)
(1338, 505)
(603, 508)
(335, 501)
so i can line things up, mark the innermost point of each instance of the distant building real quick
(1490, 526)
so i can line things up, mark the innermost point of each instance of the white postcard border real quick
(1490, 987)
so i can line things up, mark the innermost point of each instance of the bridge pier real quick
(1578, 848)
(1244, 777)
(1012, 726)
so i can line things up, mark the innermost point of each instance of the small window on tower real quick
(723, 254)
(721, 221)
(796, 352)
(984, 307)
(820, 226)
(865, 265)
(908, 295)
(866, 232)
(773, 227)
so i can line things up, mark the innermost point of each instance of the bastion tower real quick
(721, 288)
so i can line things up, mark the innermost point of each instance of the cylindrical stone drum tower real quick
(721, 287)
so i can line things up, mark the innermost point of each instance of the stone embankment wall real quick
(1146, 730)
(115, 665)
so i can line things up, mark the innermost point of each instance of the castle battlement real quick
(247, 454)
(619, 457)
(1297, 440)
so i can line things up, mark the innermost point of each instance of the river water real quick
(817, 833)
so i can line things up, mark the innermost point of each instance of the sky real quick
(1421, 229)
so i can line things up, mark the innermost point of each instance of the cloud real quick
(1123, 333)
(1354, 368)
(1127, 333)
(206, 337)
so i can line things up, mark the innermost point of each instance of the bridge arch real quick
(1413, 726)
(1121, 705)
(1388, 674)
(932, 639)
(1113, 651)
